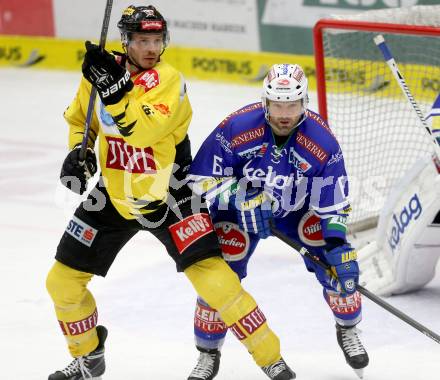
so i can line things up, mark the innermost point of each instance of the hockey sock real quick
(209, 329)
(346, 310)
(75, 307)
(220, 287)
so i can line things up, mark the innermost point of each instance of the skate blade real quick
(359, 372)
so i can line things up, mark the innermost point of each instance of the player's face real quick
(284, 116)
(144, 49)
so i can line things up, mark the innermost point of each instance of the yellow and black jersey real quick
(137, 137)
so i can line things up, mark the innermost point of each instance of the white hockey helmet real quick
(285, 83)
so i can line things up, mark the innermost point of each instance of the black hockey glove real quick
(110, 79)
(75, 174)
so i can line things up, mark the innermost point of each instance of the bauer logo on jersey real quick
(81, 231)
(233, 242)
(121, 156)
(310, 230)
(148, 80)
(189, 230)
(403, 218)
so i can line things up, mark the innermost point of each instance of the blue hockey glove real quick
(254, 213)
(344, 273)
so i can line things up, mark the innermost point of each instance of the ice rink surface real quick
(147, 307)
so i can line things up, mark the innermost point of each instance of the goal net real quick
(380, 134)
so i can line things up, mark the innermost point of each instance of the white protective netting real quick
(380, 134)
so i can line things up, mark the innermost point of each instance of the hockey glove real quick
(254, 213)
(344, 274)
(110, 79)
(75, 174)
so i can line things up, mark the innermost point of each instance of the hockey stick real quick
(399, 314)
(391, 62)
(93, 92)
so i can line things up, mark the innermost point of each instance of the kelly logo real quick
(401, 221)
(190, 229)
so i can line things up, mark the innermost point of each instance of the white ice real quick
(146, 305)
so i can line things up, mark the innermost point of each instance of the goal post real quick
(380, 134)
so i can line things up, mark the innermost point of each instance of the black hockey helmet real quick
(142, 19)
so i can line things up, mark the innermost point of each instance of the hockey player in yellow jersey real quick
(141, 118)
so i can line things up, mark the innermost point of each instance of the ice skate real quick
(207, 365)
(354, 352)
(87, 367)
(279, 371)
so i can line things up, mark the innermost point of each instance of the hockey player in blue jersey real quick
(277, 160)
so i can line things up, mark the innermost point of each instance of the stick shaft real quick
(392, 64)
(371, 296)
(93, 92)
